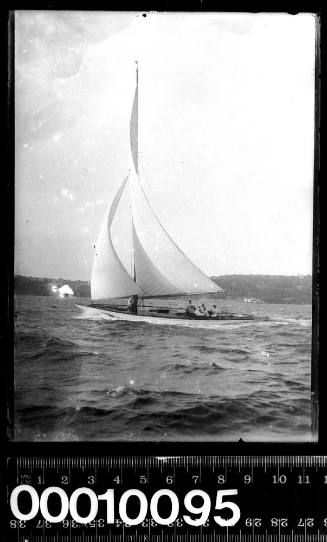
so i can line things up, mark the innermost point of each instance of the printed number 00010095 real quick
(69, 506)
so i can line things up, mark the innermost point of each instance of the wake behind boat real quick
(158, 268)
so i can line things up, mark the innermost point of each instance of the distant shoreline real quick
(295, 289)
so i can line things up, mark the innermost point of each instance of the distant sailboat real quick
(159, 269)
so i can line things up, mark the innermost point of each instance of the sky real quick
(226, 133)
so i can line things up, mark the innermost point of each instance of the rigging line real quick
(172, 240)
(133, 272)
(145, 226)
(152, 213)
(138, 116)
(171, 284)
(111, 216)
(134, 126)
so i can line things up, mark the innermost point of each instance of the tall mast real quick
(134, 148)
(134, 124)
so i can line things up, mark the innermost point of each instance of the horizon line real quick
(210, 276)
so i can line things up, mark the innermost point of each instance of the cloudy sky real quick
(226, 119)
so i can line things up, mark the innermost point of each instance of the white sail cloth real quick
(161, 268)
(109, 277)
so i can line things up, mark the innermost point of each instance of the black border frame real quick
(318, 373)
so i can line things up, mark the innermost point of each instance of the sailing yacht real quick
(158, 270)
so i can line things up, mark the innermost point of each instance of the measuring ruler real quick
(165, 499)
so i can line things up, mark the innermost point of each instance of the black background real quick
(10, 448)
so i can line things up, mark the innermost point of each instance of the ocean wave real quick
(89, 313)
(206, 367)
(92, 377)
(206, 349)
(302, 322)
(154, 414)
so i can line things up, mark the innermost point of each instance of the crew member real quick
(204, 310)
(190, 309)
(132, 304)
(214, 311)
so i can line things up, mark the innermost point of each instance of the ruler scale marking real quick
(263, 478)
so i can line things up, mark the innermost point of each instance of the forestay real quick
(160, 268)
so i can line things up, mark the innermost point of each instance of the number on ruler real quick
(279, 479)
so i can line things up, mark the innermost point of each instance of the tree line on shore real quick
(267, 288)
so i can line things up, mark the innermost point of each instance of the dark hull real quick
(172, 314)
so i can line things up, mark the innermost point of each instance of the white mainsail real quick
(159, 267)
(134, 125)
(109, 277)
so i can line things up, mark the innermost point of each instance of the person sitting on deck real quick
(204, 311)
(213, 312)
(198, 311)
(132, 304)
(190, 309)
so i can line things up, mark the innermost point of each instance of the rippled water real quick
(81, 376)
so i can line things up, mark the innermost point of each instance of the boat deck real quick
(175, 314)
